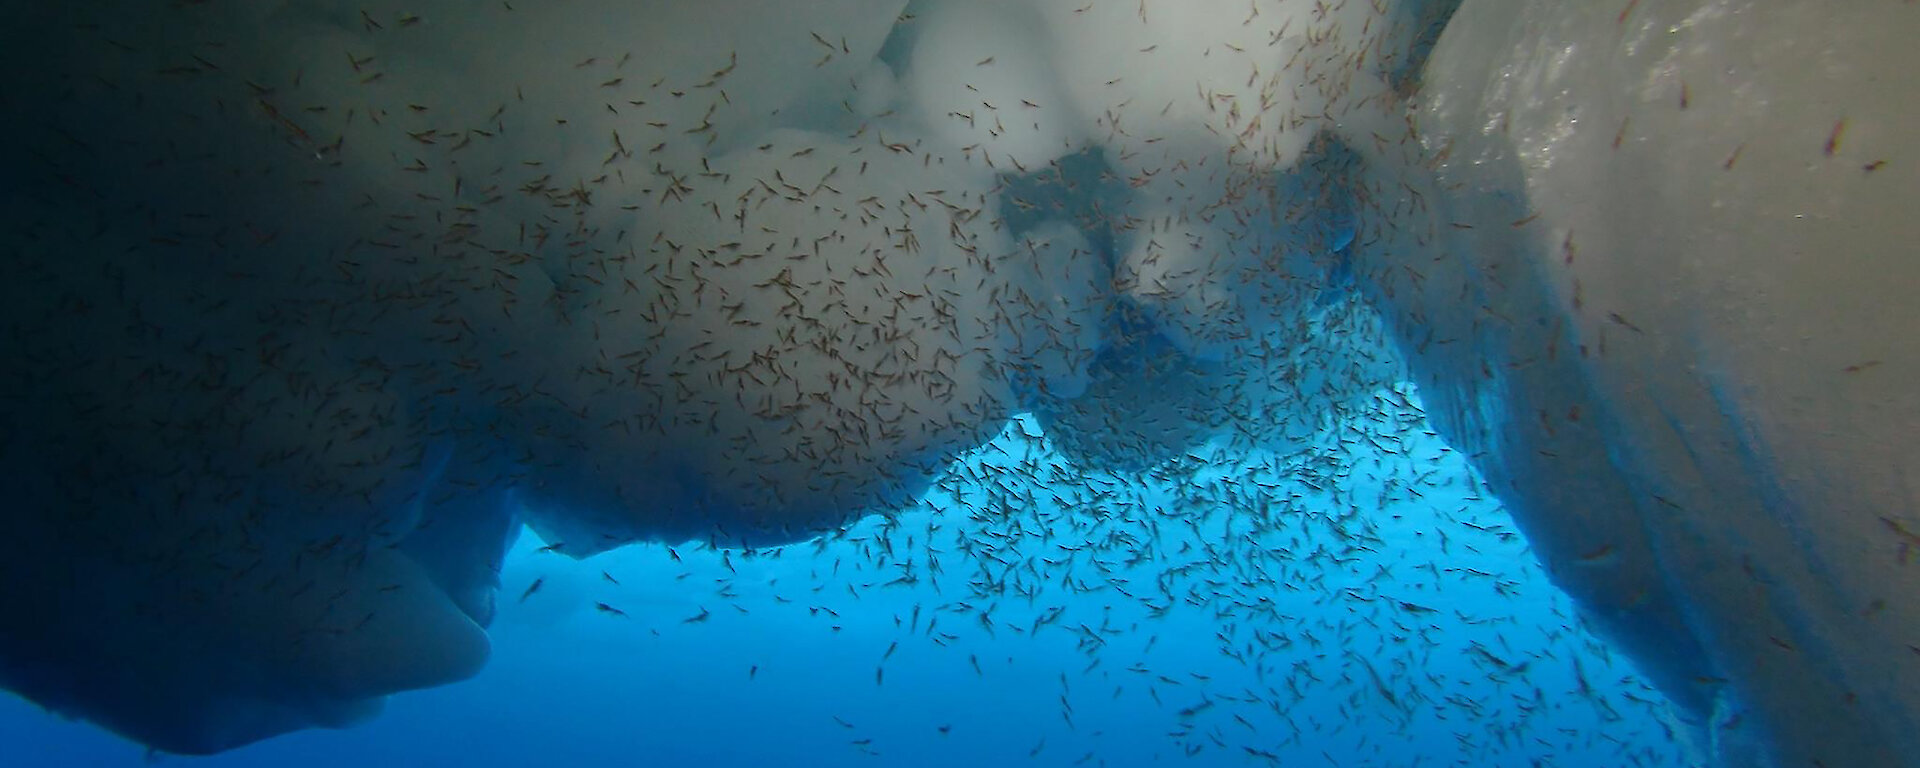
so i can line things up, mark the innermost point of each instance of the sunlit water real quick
(1222, 612)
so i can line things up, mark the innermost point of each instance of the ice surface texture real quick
(312, 305)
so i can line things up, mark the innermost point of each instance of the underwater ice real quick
(315, 304)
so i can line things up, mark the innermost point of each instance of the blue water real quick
(1219, 612)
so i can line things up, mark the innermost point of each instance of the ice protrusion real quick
(1674, 245)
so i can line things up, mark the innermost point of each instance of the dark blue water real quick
(1219, 612)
